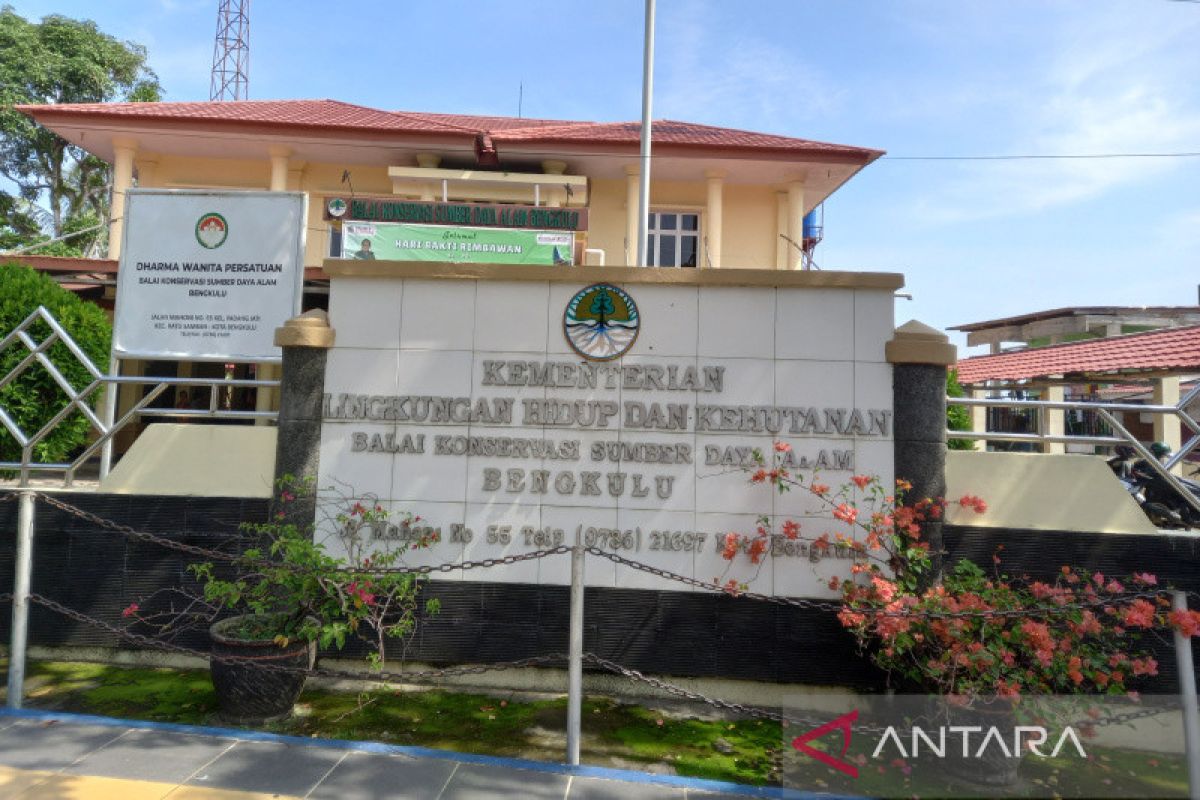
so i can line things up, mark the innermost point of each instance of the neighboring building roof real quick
(1080, 311)
(334, 114)
(1173, 350)
(63, 264)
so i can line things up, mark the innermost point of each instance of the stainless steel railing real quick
(78, 399)
(1107, 412)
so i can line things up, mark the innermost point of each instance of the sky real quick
(975, 239)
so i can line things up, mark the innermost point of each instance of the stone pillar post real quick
(124, 151)
(920, 356)
(795, 219)
(305, 340)
(631, 216)
(715, 180)
(1166, 427)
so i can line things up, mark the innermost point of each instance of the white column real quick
(631, 215)
(781, 229)
(124, 151)
(1056, 419)
(553, 195)
(979, 417)
(714, 224)
(264, 399)
(279, 168)
(1166, 428)
(429, 191)
(795, 224)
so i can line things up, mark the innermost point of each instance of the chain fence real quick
(596, 661)
(600, 663)
(829, 606)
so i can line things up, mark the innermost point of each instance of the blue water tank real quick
(812, 225)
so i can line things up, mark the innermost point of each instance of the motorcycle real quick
(1157, 497)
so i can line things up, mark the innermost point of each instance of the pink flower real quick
(846, 513)
(782, 447)
(130, 610)
(861, 481)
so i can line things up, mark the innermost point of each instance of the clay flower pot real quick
(246, 693)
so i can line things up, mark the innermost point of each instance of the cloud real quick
(706, 72)
(1113, 85)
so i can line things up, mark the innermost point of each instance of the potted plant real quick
(289, 593)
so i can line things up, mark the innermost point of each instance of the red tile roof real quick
(334, 114)
(284, 113)
(1166, 350)
(680, 133)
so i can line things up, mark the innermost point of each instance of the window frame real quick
(654, 232)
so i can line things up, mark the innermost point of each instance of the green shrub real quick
(958, 418)
(34, 398)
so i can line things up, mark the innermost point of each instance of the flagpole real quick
(643, 254)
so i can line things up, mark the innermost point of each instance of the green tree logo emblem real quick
(601, 322)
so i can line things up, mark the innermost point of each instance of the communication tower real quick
(231, 52)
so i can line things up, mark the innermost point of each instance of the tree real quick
(60, 60)
(958, 418)
(33, 398)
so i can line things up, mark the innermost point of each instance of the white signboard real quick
(208, 275)
(517, 416)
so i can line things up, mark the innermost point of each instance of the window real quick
(674, 239)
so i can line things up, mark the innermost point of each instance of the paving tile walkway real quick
(46, 756)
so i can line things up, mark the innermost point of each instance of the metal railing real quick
(78, 398)
(1106, 412)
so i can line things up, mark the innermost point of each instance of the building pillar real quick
(124, 151)
(554, 196)
(920, 356)
(631, 215)
(795, 226)
(979, 418)
(279, 168)
(264, 398)
(429, 191)
(305, 341)
(1056, 418)
(1166, 427)
(782, 248)
(713, 224)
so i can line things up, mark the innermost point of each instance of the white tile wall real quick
(815, 324)
(785, 347)
(438, 315)
(366, 313)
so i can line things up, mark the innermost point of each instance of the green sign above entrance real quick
(401, 242)
(479, 215)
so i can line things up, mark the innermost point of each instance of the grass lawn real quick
(615, 734)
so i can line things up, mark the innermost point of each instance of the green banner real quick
(392, 241)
